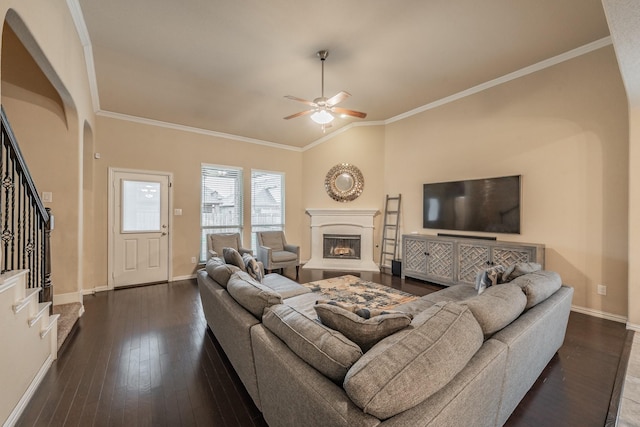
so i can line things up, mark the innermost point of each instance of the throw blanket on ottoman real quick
(352, 289)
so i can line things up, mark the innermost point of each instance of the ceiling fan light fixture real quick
(322, 117)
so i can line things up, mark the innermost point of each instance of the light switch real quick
(177, 212)
(47, 196)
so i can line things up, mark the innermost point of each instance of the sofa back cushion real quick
(326, 350)
(219, 271)
(438, 345)
(251, 295)
(359, 324)
(497, 307)
(538, 286)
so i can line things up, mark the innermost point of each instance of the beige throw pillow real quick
(233, 257)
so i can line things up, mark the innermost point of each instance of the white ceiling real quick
(225, 66)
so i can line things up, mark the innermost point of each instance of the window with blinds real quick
(221, 202)
(267, 203)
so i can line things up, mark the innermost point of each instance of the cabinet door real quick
(440, 261)
(415, 257)
(472, 258)
(506, 256)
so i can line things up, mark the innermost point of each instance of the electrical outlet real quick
(193, 260)
(602, 290)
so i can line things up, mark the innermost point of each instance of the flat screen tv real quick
(490, 205)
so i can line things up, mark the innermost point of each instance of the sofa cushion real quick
(273, 241)
(326, 350)
(252, 267)
(233, 257)
(519, 269)
(286, 287)
(438, 344)
(538, 286)
(219, 271)
(253, 296)
(497, 307)
(362, 326)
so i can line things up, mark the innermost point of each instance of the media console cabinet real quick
(455, 260)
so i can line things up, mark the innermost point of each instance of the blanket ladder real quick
(389, 246)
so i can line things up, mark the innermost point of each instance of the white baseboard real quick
(94, 290)
(598, 313)
(67, 298)
(28, 394)
(187, 277)
(633, 326)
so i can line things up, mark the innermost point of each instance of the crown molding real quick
(85, 40)
(83, 33)
(582, 50)
(191, 129)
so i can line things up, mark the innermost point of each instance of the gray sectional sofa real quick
(464, 359)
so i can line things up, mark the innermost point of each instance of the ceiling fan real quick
(323, 109)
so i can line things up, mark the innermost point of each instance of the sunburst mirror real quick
(344, 182)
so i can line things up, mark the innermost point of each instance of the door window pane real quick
(140, 206)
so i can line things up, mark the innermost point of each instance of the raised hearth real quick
(342, 222)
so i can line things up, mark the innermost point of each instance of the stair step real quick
(53, 321)
(43, 308)
(31, 292)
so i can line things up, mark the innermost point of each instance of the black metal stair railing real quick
(25, 224)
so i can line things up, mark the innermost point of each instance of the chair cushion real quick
(283, 256)
(273, 241)
(252, 267)
(538, 286)
(233, 257)
(219, 271)
(497, 307)
(253, 296)
(439, 344)
(360, 325)
(326, 350)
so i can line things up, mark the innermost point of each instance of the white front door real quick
(140, 228)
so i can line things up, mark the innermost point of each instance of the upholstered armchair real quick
(275, 252)
(217, 241)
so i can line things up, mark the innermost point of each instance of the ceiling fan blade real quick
(301, 113)
(353, 113)
(336, 99)
(304, 101)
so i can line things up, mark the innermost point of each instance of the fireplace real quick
(351, 231)
(341, 246)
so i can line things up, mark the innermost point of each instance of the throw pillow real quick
(252, 267)
(362, 326)
(326, 350)
(382, 383)
(251, 295)
(520, 269)
(233, 257)
(489, 277)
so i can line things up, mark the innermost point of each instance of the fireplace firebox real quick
(341, 246)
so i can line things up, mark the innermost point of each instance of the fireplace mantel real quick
(342, 221)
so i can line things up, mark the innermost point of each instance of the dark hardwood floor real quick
(143, 356)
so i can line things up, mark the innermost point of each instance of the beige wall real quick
(131, 145)
(52, 143)
(564, 129)
(362, 146)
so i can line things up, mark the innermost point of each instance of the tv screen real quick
(490, 205)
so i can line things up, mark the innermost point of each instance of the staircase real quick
(30, 342)
(28, 327)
